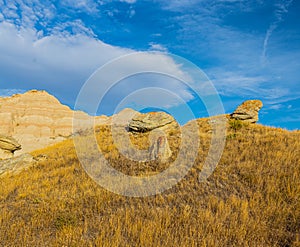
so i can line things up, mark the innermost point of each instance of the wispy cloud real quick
(280, 11)
(4, 92)
(128, 1)
(85, 6)
(157, 47)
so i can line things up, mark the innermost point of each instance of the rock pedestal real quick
(160, 149)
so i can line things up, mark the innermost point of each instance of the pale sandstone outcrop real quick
(37, 119)
(15, 164)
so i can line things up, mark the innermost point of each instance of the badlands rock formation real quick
(248, 111)
(37, 119)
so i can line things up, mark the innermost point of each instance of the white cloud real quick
(276, 107)
(28, 13)
(236, 84)
(62, 62)
(131, 13)
(175, 5)
(24, 49)
(128, 1)
(71, 28)
(157, 47)
(87, 6)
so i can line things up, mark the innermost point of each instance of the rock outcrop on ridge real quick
(36, 119)
(247, 111)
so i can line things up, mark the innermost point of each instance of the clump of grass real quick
(236, 124)
(65, 220)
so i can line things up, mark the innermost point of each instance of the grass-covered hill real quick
(252, 198)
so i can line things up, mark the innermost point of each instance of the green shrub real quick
(236, 125)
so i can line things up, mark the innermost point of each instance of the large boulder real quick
(150, 121)
(248, 111)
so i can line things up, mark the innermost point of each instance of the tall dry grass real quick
(252, 198)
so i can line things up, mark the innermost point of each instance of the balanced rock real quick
(150, 121)
(248, 111)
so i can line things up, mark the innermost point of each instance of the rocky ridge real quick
(36, 119)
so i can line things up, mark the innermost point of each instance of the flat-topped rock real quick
(150, 121)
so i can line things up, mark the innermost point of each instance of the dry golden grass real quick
(252, 198)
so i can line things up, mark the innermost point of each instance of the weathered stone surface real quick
(9, 144)
(16, 164)
(124, 117)
(150, 121)
(248, 111)
(37, 119)
(160, 149)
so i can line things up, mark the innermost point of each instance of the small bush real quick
(236, 125)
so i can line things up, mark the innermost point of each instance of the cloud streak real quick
(280, 11)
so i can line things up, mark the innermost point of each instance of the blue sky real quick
(250, 49)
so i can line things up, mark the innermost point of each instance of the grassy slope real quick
(252, 199)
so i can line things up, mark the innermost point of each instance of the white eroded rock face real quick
(37, 119)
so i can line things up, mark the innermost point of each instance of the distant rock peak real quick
(37, 119)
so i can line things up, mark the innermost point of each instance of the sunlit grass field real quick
(252, 198)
